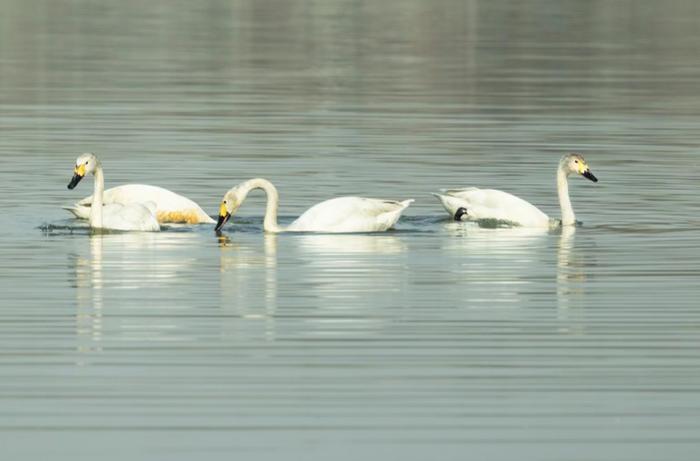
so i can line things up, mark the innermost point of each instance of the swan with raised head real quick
(170, 207)
(477, 204)
(341, 214)
(113, 216)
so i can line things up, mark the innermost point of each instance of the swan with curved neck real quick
(341, 214)
(477, 204)
(135, 216)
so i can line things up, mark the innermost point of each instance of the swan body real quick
(477, 204)
(170, 207)
(113, 216)
(341, 214)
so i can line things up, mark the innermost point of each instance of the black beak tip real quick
(589, 175)
(220, 223)
(74, 181)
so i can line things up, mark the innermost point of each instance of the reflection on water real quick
(570, 270)
(340, 244)
(497, 262)
(89, 301)
(571, 282)
(470, 237)
(127, 268)
(248, 284)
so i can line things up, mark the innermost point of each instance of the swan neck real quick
(96, 207)
(270, 222)
(567, 212)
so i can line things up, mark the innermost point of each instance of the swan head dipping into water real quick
(337, 215)
(236, 195)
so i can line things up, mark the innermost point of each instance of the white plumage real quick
(170, 207)
(479, 204)
(492, 204)
(114, 216)
(342, 214)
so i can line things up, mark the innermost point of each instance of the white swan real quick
(342, 214)
(114, 216)
(170, 207)
(476, 204)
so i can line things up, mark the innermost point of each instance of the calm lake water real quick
(439, 339)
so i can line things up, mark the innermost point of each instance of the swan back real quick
(493, 204)
(342, 214)
(170, 207)
(350, 214)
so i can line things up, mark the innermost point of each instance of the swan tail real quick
(404, 204)
(452, 205)
(389, 219)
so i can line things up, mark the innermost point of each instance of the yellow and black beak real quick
(584, 171)
(78, 174)
(224, 216)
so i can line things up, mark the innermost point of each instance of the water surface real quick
(438, 339)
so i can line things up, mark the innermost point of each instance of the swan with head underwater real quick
(337, 215)
(170, 207)
(113, 216)
(477, 204)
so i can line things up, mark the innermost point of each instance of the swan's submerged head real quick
(84, 164)
(576, 164)
(229, 205)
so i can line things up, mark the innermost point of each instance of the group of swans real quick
(138, 207)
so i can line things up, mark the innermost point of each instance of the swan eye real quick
(575, 161)
(224, 202)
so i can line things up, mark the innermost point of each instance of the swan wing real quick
(134, 216)
(493, 204)
(170, 207)
(350, 214)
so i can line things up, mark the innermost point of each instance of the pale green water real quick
(436, 340)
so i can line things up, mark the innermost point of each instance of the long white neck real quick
(567, 212)
(270, 223)
(96, 207)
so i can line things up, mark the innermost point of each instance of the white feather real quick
(342, 214)
(113, 216)
(170, 207)
(480, 204)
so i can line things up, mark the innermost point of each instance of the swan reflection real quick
(244, 270)
(503, 240)
(89, 298)
(120, 271)
(346, 277)
(496, 265)
(350, 243)
(571, 276)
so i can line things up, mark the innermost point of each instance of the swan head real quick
(576, 164)
(229, 205)
(84, 165)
